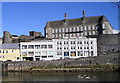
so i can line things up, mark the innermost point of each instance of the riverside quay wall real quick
(27, 65)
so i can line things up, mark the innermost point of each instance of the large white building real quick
(58, 49)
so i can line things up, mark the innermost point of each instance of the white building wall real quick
(62, 47)
(87, 47)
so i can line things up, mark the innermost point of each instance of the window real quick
(50, 56)
(91, 42)
(24, 53)
(44, 56)
(74, 29)
(73, 53)
(53, 36)
(50, 46)
(60, 30)
(70, 29)
(6, 51)
(103, 26)
(66, 54)
(93, 32)
(59, 43)
(89, 27)
(59, 35)
(66, 29)
(0, 51)
(52, 30)
(30, 47)
(80, 53)
(37, 46)
(50, 52)
(65, 42)
(80, 47)
(85, 33)
(77, 28)
(56, 35)
(64, 48)
(72, 42)
(87, 42)
(30, 53)
(37, 52)
(56, 30)
(43, 46)
(81, 28)
(18, 58)
(87, 47)
(85, 28)
(89, 32)
(73, 47)
(59, 53)
(60, 48)
(12, 50)
(77, 34)
(44, 52)
(24, 46)
(91, 53)
(91, 47)
(93, 27)
(73, 35)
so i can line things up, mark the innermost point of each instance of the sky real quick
(19, 18)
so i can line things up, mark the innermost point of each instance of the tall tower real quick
(7, 37)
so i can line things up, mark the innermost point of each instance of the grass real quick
(102, 67)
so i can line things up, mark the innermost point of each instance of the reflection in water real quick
(60, 76)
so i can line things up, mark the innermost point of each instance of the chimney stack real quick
(65, 16)
(83, 13)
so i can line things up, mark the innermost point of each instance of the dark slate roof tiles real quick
(76, 22)
(9, 46)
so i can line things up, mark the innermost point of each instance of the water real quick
(60, 76)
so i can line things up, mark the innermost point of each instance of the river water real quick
(60, 76)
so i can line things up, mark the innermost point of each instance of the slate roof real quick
(76, 22)
(9, 46)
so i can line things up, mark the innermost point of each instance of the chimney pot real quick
(65, 16)
(83, 13)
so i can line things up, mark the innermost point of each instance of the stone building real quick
(84, 26)
(8, 38)
(0, 40)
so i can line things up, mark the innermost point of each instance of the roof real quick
(9, 46)
(76, 22)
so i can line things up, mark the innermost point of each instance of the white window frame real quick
(56, 30)
(59, 30)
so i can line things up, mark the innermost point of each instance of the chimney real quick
(83, 12)
(65, 16)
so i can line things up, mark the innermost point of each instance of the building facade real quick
(9, 52)
(84, 26)
(58, 49)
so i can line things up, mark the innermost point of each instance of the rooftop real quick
(9, 46)
(77, 21)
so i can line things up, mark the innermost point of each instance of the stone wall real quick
(102, 59)
(108, 43)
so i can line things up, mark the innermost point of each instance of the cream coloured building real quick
(9, 52)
